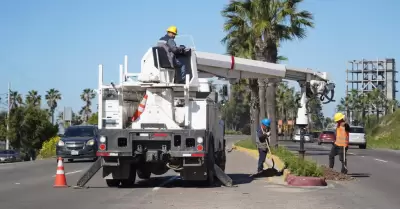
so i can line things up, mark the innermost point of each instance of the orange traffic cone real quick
(140, 109)
(60, 181)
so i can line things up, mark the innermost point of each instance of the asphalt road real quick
(29, 185)
(377, 171)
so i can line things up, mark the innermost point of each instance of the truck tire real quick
(112, 182)
(210, 165)
(222, 164)
(143, 173)
(131, 178)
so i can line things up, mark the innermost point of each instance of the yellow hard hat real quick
(172, 29)
(338, 116)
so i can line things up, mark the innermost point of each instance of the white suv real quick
(357, 137)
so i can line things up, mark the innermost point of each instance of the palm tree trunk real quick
(254, 108)
(271, 106)
(261, 96)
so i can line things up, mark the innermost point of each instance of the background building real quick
(366, 75)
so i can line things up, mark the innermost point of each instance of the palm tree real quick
(378, 100)
(15, 99)
(33, 99)
(52, 97)
(87, 96)
(259, 26)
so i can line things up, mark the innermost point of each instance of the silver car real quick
(8, 156)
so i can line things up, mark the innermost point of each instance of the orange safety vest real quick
(342, 137)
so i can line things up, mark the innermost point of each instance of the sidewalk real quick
(250, 194)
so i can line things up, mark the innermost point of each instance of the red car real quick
(326, 137)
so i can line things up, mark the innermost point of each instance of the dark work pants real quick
(182, 70)
(337, 150)
(262, 154)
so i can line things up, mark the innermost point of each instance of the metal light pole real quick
(8, 116)
(302, 151)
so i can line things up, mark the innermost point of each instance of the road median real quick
(290, 168)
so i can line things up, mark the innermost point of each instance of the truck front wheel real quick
(210, 165)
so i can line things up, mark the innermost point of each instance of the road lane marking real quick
(173, 178)
(72, 172)
(380, 160)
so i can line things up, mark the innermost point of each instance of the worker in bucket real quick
(341, 144)
(177, 53)
(262, 141)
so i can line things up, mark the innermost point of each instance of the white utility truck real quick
(149, 125)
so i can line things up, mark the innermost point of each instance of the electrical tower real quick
(366, 75)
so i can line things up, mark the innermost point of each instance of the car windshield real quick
(357, 130)
(328, 132)
(79, 132)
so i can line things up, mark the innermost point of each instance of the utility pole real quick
(8, 116)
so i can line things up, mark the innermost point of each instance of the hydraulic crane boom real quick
(204, 64)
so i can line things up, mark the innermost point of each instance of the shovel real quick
(344, 158)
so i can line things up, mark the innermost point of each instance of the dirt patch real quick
(331, 174)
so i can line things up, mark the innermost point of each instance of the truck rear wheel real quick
(112, 182)
(143, 173)
(131, 178)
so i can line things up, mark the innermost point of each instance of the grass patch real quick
(386, 134)
(294, 163)
(232, 132)
(247, 143)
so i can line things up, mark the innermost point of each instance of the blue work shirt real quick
(259, 133)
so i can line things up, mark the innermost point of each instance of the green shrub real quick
(49, 147)
(296, 165)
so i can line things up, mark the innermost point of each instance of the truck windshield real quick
(79, 132)
(356, 130)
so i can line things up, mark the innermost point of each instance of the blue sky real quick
(58, 44)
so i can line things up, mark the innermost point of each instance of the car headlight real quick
(60, 143)
(102, 139)
(90, 142)
(199, 140)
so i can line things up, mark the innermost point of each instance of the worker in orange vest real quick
(341, 143)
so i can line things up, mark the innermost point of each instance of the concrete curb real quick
(293, 180)
(279, 164)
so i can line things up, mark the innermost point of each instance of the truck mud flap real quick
(222, 176)
(85, 178)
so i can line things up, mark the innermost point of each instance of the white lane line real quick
(380, 160)
(165, 182)
(72, 172)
